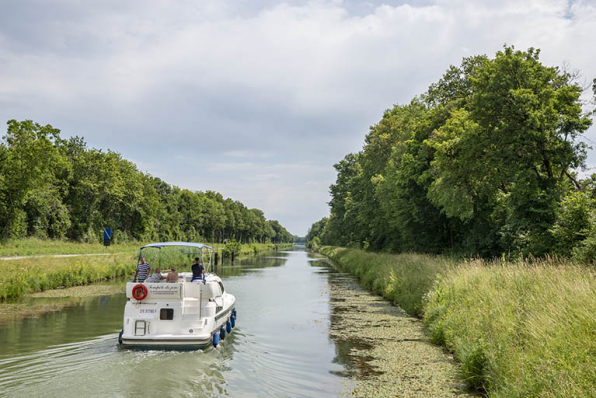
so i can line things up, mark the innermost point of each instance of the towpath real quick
(58, 256)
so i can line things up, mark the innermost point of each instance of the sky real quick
(257, 99)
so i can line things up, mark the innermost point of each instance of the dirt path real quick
(388, 352)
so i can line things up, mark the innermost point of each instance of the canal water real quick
(279, 348)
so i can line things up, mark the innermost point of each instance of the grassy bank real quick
(519, 329)
(30, 275)
(404, 279)
(35, 274)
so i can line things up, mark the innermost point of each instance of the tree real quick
(414, 222)
(505, 159)
(27, 155)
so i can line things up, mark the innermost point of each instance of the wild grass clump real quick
(20, 277)
(402, 278)
(519, 329)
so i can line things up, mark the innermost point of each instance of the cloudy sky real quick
(256, 99)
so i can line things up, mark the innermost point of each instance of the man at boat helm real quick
(197, 270)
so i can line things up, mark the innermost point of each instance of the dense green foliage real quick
(56, 188)
(481, 164)
(519, 329)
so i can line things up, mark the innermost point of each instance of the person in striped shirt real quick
(143, 269)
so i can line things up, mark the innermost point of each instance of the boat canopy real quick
(186, 244)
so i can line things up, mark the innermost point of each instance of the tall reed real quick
(520, 329)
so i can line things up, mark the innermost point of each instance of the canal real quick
(281, 346)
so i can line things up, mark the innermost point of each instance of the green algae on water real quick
(386, 351)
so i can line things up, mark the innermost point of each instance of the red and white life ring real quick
(139, 292)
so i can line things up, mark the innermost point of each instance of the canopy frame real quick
(202, 250)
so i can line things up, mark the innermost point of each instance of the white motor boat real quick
(184, 314)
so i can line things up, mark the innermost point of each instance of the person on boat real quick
(197, 270)
(172, 275)
(155, 277)
(143, 269)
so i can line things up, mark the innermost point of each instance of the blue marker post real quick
(107, 236)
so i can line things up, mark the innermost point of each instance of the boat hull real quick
(202, 337)
(167, 343)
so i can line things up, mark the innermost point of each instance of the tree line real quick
(483, 163)
(59, 188)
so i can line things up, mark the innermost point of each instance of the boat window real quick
(166, 314)
(221, 287)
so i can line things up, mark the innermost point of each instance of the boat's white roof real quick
(186, 244)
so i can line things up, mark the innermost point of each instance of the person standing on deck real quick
(197, 270)
(143, 269)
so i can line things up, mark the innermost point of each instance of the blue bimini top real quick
(185, 244)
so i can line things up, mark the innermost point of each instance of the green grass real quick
(20, 277)
(34, 246)
(519, 329)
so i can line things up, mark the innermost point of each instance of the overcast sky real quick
(256, 99)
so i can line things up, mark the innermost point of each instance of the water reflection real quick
(247, 265)
(83, 318)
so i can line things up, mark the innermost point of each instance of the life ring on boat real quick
(139, 292)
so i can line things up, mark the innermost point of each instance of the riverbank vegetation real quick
(30, 275)
(482, 164)
(403, 279)
(60, 189)
(519, 328)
